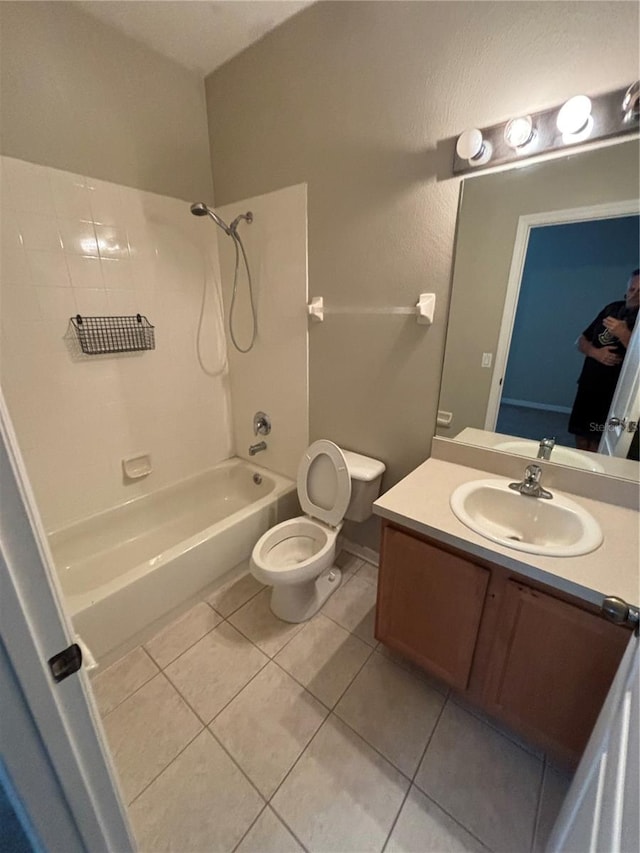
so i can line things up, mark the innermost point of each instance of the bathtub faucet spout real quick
(256, 448)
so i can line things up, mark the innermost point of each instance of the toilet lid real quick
(324, 484)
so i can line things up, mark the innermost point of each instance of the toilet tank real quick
(366, 476)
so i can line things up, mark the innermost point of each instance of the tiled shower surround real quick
(72, 244)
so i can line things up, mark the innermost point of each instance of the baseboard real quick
(367, 554)
(528, 404)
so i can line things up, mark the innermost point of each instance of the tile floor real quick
(233, 731)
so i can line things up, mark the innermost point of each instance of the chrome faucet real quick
(546, 446)
(531, 485)
(256, 448)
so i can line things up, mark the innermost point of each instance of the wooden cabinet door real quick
(429, 605)
(551, 666)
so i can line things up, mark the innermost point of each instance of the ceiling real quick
(201, 35)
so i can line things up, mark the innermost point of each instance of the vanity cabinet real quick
(539, 660)
(429, 605)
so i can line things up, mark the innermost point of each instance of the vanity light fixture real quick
(574, 120)
(580, 119)
(473, 148)
(519, 132)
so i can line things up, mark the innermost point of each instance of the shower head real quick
(201, 209)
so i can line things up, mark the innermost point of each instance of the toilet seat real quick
(324, 483)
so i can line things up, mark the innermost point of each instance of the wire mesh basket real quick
(100, 335)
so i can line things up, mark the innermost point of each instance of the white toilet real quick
(296, 557)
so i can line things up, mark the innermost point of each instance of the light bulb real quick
(574, 115)
(472, 147)
(518, 132)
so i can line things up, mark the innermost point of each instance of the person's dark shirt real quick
(599, 337)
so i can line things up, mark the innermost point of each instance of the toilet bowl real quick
(296, 557)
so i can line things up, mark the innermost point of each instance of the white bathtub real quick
(124, 568)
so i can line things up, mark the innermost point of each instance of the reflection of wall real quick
(490, 210)
(273, 376)
(74, 245)
(79, 95)
(355, 98)
(571, 272)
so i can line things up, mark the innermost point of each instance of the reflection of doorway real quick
(567, 265)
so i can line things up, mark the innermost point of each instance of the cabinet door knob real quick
(616, 610)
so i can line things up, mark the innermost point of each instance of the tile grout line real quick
(317, 698)
(186, 649)
(235, 763)
(190, 706)
(157, 776)
(250, 827)
(411, 781)
(428, 796)
(133, 692)
(487, 720)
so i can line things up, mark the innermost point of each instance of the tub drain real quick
(257, 479)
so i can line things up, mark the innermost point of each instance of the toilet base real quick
(299, 602)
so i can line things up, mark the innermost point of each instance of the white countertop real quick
(420, 502)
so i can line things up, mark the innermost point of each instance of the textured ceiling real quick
(199, 34)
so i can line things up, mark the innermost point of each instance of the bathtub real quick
(124, 568)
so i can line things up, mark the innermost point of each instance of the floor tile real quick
(422, 826)
(210, 673)
(325, 658)
(413, 668)
(269, 835)
(482, 779)
(497, 725)
(348, 564)
(392, 710)
(177, 637)
(554, 790)
(121, 679)
(234, 594)
(369, 573)
(257, 622)
(267, 726)
(353, 606)
(341, 795)
(201, 802)
(147, 731)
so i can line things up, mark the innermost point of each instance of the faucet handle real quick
(261, 424)
(532, 474)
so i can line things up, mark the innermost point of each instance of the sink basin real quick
(557, 528)
(561, 455)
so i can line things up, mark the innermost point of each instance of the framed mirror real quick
(539, 251)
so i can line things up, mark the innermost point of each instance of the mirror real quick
(511, 227)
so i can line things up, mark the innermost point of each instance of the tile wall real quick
(273, 376)
(72, 244)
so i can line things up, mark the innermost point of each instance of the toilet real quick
(296, 557)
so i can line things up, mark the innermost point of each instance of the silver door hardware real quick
(617, 422)
(261, 424)
(616, 610)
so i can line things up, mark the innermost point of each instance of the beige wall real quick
(491, 208)
(78, 95)
(355, 98)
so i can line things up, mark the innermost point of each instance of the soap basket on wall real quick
(101, 335)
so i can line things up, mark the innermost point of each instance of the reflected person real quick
(604, 343)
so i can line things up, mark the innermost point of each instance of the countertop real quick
(420, 502)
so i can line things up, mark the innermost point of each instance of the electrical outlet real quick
(487, 358)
